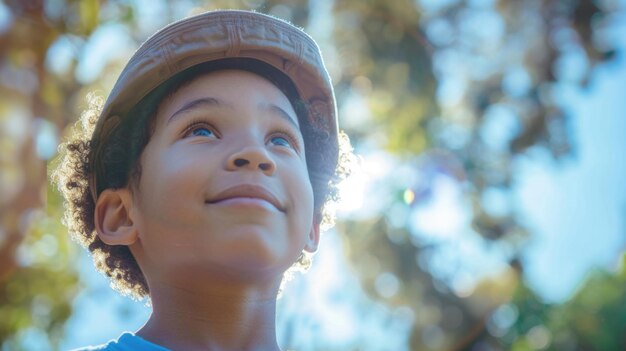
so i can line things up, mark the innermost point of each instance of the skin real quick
(223, 208)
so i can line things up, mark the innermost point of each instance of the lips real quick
(247, 191)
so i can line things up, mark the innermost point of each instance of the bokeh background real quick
(487, 209)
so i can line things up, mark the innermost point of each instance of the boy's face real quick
(224, 187)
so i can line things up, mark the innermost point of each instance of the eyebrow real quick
(194, 104)
(210, 101)
(284, 115)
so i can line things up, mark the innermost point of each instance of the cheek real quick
(170, 181)
(303, 197)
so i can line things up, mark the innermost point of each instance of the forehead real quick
(229, 88)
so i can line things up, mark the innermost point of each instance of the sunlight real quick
(352, 192)
(444, 215)
(367, 191)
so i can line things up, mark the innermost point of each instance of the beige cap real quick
(218, 35)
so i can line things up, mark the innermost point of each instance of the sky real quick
(576, 209)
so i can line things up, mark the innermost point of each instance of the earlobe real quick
(113, 221)
(313, 239)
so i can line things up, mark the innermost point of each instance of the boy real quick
(205, 178)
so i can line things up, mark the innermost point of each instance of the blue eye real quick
(280, 141)
(202, 131)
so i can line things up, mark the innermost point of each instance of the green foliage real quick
(598, 312)
(382, 44)
(89, 13)
(37, 295)
(594, 319)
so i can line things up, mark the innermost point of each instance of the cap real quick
(219, 35)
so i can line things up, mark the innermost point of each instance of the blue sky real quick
(576, 209)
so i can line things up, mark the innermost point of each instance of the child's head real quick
(209, 112)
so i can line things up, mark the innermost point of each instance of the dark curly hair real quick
(116, 159)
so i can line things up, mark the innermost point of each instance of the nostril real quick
(241, 162)
(253, 162)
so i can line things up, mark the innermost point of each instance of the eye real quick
(199, 129)
(284, 139)
(280, 141)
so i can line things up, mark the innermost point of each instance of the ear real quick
(314, 237)
(113, 221)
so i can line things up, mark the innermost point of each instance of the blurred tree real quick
(593, 319)
(480, 80)
(454, 89)
(38, 279)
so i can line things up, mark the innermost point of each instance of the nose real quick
(251, 158)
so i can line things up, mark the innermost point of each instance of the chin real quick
(260, 267)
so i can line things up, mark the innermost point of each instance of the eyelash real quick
(293, 141)
(199, 123)
(277, 132)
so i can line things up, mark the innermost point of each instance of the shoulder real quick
(126, 342)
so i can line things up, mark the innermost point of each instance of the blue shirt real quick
(126, 342)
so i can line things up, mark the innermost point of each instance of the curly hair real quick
(117, 158)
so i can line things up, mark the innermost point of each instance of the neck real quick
(223, 318)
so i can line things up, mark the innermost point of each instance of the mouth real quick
(247, 192)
